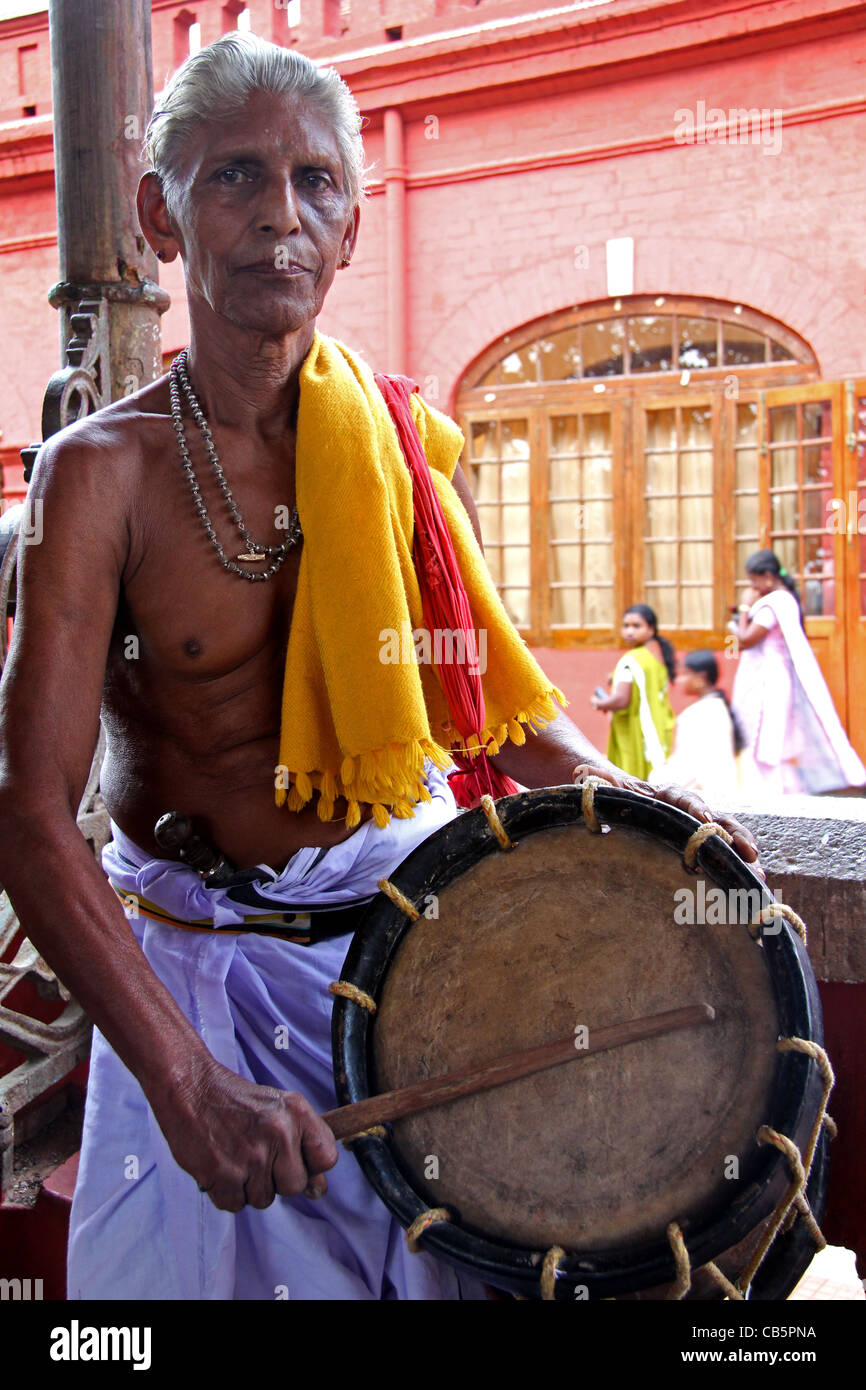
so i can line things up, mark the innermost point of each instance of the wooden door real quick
(582, 520)
(850, 518)
(678, 503)
(548, 482)
(500, 463)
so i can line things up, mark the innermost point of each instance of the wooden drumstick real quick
(439, 1090)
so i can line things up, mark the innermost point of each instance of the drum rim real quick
(796, 1087)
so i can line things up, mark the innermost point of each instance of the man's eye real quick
(319, 180)
(231, 176)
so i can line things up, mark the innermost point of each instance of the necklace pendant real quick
(254, 554)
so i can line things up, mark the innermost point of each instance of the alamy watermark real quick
(704, 906)
(77, 1343)
(31, 529)
(704, 125)
(21, 1290)
(441, 647)
(846, 517)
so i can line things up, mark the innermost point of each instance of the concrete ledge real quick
(814, 855)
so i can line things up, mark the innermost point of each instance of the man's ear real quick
(155, 220)
(350, 239)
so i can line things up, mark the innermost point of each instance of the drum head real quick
(567, 933)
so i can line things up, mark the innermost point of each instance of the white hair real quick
(217, 81)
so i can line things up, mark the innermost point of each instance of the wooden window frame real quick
(626, 398)
(684, 398)
(803, 368)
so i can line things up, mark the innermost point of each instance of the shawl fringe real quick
(392, 778)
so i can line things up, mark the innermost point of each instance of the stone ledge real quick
(814, 855)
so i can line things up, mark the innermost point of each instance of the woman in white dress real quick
(791, 728)
(706, 736)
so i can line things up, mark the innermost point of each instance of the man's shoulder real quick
(107, 447)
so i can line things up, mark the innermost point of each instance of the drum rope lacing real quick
(374, 1132)
(549, 1271)
(766, 914)
(779, 910)
(347, 990)
(428, 1218)
(794, 1202)
(683, 1281)
(587, 802)
(399, 899)
(503, 839)
(829, 1080)
(703, 833)
(488, 807)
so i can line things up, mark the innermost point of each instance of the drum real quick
(682, 1165)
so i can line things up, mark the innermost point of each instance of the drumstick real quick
(439, 1090)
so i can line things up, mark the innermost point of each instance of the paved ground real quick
(831, 1275)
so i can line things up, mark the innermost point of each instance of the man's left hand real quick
(743, 840)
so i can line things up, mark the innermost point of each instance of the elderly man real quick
(266, 455)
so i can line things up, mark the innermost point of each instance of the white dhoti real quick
(140, 1228)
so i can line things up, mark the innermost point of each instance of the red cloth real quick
(445, 605)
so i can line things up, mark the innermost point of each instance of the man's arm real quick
(559, 753)
(68, 586)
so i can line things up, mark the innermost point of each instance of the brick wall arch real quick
(761, 278)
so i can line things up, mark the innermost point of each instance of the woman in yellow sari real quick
(642, 723)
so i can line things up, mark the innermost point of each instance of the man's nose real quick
(278, 213)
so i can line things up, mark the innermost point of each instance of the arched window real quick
(636, 337)
(613, 453)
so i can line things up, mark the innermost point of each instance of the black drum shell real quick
(796, 1090)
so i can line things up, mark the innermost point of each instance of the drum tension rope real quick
(488, 807)
(694, 842)
(374, 1132)
(549, 1270)
(587, 803)
(399, 899)
(778, 910)
(431, 1217)
(794, 1203)
(355, 995)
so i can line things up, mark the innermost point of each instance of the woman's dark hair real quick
(767, 562)
(705, 664)
(644, 611)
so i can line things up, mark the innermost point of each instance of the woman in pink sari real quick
(780, 697)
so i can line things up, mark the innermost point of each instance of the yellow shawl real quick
(355, 723)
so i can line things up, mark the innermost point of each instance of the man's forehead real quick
(286, 125)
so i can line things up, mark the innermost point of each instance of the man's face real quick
(263, 216)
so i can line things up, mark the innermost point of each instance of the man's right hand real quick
(245, 1144)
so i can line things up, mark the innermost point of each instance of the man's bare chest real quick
(191, 616)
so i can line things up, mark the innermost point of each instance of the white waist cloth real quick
(140, 1228)
(344, 875)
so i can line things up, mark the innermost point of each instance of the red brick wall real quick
(25, 67)
(489, 250)
(780, 233)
